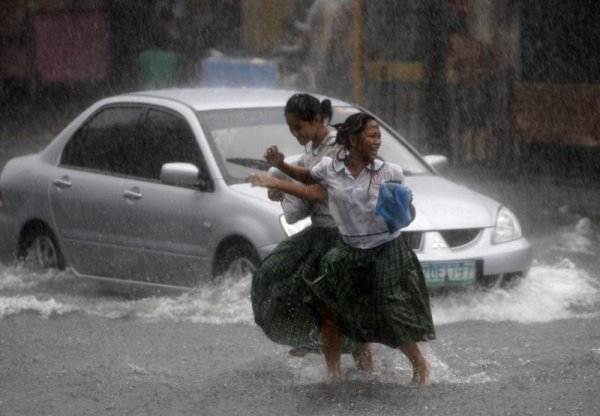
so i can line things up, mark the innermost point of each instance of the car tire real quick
(235, 261)
(40, 250)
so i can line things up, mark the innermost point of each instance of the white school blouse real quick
(295, 208)
(352, 201)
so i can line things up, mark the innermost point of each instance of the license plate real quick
(459, 273)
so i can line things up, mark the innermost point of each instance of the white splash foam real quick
(224, 304)
(550, 292)
(307, 371)
(393, 367)
(17, 277)
(580, 239)
(20, 304)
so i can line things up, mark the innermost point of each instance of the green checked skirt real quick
(283, 304)
(378, 294)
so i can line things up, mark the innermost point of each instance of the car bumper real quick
(510, 258)
(493, 259)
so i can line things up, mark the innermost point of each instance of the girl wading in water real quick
(372, 281)
(283, 304)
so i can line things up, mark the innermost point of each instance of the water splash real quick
(46, 308)
(391, 366)
(19, 278)
(54, 293)
(550, 292)
(226, 303)
(580, 239)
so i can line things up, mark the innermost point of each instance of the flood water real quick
(552, 291)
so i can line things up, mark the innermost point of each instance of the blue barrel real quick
(239, 72)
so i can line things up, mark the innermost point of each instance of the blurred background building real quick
(460, 77)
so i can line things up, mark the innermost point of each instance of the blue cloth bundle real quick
(393, 205)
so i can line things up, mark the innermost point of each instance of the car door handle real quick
(62, 183)
(132, 194)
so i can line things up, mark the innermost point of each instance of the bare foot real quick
(334, 375)
(419, 363)
(420, 374)
(364, 358)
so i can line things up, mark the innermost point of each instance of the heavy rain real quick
(528, 137)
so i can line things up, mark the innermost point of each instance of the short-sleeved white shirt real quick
(295, 208)
(352, 201)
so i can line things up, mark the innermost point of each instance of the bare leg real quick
(332, 344)
(364, 358)
(419, 363)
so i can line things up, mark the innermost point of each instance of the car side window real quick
(164, 138)
(103, 141)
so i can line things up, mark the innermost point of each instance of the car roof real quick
(222, 98)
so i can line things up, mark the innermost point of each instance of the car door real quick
(168, 228)
(86, 191)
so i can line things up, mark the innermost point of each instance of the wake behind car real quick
(150, 189)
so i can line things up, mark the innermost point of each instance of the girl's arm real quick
(314, 193)
(276, 159)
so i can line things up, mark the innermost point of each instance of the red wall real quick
(71, 46)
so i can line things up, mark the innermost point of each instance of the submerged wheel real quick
(236, 260)
(40, 250)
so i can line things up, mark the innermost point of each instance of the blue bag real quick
(393, 205)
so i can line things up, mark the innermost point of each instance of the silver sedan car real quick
(149, 189)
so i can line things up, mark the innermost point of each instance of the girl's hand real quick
(275, 195)
(257, 179)
(274, 157)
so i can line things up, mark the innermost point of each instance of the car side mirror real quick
(439, 163)
(179, 174)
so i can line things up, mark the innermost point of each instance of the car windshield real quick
(239, 138)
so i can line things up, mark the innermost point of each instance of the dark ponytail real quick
(307, 107)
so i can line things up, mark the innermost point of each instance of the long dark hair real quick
(307, 107)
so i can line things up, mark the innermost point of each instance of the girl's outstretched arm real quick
(314, 193)
(276, 159)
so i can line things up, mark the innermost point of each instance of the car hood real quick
(257, 192)
(444, 205)
(440, 203)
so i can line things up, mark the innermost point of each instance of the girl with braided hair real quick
(283, 304)
(371, 281)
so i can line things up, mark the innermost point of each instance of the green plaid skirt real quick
(378, 294)
(283, 304)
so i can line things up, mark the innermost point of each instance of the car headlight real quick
(507, 227)
(291, 229)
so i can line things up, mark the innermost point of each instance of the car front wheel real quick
(235, 261)
(40, 250)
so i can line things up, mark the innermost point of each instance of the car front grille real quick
(457, 238)
(453, 238)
